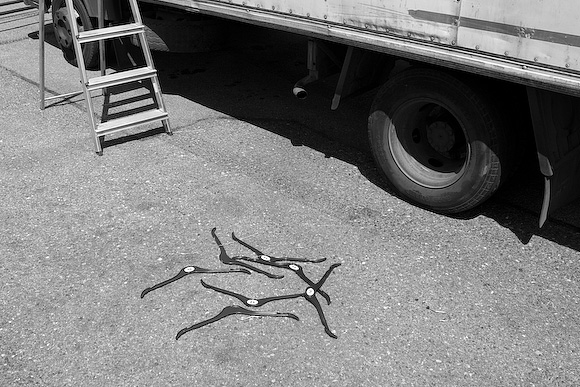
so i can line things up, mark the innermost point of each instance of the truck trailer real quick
(448, 74)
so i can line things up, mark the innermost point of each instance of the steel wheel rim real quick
(63, 31)
(428, 143)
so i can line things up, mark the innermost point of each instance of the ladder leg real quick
(161, 103)
(157, 90)
(91, 112)
(149, 61)
(101, 24)
(41, 12)
(154, 80)
(83, 74)
(167, 127)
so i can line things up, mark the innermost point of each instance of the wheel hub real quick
(440, 136)
(62, 27)
(425, 144)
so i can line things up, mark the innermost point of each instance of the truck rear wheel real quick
(437, 140)
(63, 32)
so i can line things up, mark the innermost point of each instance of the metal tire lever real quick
(300, 273)
(234, 309)
(325, 276)
(310, 295)
(289, 266)
(227, 260)
(251, 302)
(191, 270)
(272, 259)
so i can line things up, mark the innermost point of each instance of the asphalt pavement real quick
(420, 299)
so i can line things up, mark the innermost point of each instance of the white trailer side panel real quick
(383, 16)
(536, 31)
(533, 42)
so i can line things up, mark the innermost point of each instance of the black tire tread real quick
(496, 141)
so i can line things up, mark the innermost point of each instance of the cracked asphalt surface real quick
(420, 299)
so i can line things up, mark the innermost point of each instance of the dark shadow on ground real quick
(255, 74)
(252, 80)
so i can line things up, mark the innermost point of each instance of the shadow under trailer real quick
(450, 75)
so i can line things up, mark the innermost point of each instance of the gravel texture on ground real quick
(482, 299)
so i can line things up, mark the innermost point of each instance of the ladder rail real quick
(83, 73)
(154, 81)
(41, 12)
(101, 24)
(43, 99)
(135, 11)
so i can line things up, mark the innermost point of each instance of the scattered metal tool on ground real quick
(227, 260)
(192, 270)
(234, 309)
(287, 263)
(269, 258)
(253, 302)
(309, 294)
(282, 263)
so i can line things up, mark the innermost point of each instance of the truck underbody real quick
(439, 128)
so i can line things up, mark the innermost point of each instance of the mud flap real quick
(556, 121)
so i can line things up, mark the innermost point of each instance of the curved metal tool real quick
(191, 270)
(300, 273)
(251, 302)
(309, 294)
(233, 309)
(227, 260)
(269, 258)
(283, 263)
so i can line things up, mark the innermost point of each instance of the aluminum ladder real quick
(104, 81)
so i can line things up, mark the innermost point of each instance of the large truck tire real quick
(63, 32)
(438, 140)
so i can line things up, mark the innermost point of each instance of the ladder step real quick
(110, 32)
(131, 121)
(120, 77)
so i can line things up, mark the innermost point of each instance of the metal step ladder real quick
(106, 81)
